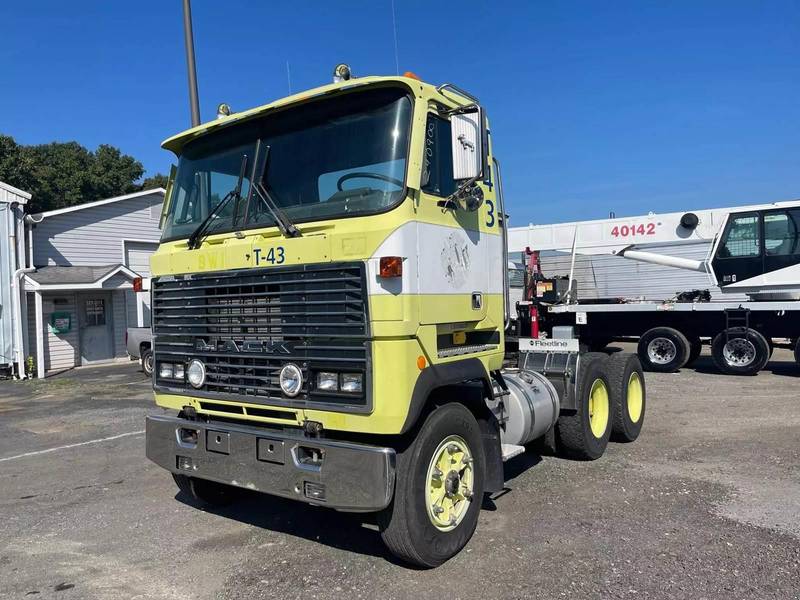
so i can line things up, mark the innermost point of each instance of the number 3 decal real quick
(490, 214)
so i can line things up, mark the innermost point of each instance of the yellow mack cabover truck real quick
(329, 304)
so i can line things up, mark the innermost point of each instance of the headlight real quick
(177, 371)
(351, 382)
(166, 370)
(291, 379)
(196, 373)
(327, 382)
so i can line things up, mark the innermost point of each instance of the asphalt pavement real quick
(705, 505)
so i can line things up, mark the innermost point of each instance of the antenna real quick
(289, 76)
(188, 38)
(394, 30)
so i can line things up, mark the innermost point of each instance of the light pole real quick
(188, 36)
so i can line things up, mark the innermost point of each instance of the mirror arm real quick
(450, 201)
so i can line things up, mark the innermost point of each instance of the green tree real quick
(159, 180)
(62, 174)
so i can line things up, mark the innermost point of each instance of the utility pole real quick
(188, 35)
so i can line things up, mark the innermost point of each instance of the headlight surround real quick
(327, 381)
(352, 383)
(196, 373)
(291, 380)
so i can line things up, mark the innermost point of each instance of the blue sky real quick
(596, 106)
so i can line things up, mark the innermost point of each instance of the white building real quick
(80, 297)
(12, 261)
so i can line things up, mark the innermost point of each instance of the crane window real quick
(780, 233)
(742, 238)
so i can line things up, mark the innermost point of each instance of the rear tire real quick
(742, 351)
(695, 348)
(207, 492)
(438, 495)
(628, 396)
(584, 433)
(663, 349)
(797, 351)
(147, 362)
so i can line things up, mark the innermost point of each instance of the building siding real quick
(96, 235)
(118, 304)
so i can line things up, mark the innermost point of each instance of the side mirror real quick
(467, 141)
(167, 196)
(471, 198)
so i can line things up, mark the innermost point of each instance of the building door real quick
(96, 327)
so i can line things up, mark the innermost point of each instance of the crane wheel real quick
(584, 433)
(663, 349)
(695, 348)
(628, 396)
(740, 351)
(439, 484)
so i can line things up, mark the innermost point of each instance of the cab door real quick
(738, 255)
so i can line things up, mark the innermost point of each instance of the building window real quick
(95, 312)
(437, 175)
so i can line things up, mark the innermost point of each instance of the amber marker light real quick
(421, 362)
(391, 266)
(411, 75)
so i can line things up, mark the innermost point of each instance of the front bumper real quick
(342, 475)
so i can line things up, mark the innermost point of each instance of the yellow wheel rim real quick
(598, 408)
(635, 397)
(449, 483)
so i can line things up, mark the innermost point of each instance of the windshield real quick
(343, 156)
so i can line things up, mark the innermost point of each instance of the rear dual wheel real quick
(611, 402)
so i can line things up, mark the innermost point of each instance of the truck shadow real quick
(706, 366)
(342, 531)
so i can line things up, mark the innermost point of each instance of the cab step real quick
(511, 450)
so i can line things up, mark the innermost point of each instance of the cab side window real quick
(742, 238)
(780, 233)
(437, 172)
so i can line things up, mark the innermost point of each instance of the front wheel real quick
(147, 362)
(438, 489)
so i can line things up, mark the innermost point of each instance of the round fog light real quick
(291, 380)
(196, 373)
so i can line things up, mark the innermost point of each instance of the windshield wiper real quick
(195, 240)
(284, 224)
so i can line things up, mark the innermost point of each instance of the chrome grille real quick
(246, 324)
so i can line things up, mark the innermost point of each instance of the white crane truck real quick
(753, 251)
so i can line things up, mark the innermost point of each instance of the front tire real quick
(147, 362)
(438, 489)
(740, 351)
(584, 433)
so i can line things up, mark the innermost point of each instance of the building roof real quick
(61, 211)
(16, 191)
(57, 277)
